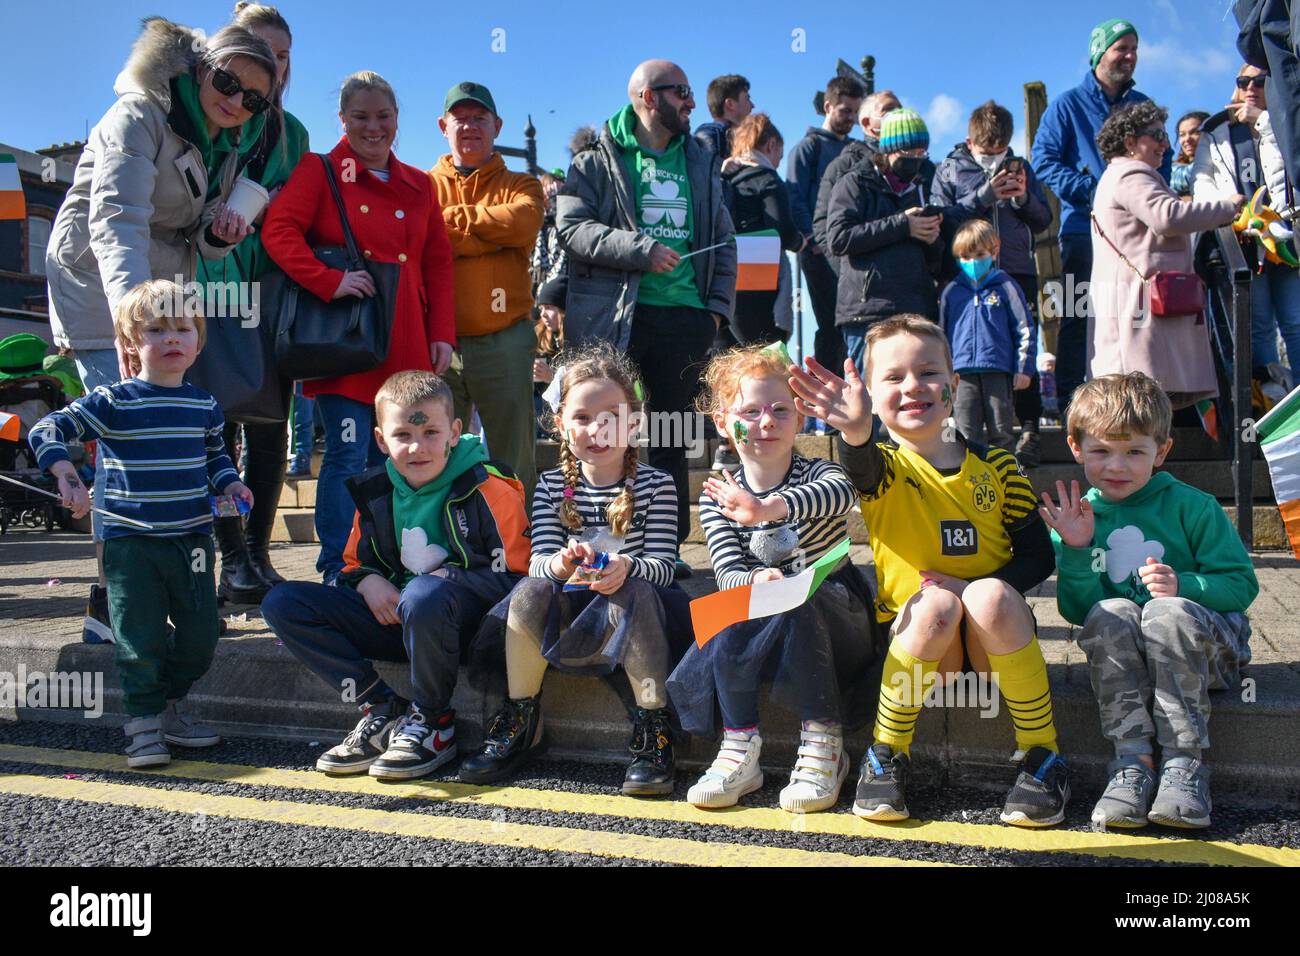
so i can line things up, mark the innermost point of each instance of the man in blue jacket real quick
(1068, 162)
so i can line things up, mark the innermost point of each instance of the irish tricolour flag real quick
(716, 612)
(12, 204)
(10, 426)
(1279, 436)
(757, 256)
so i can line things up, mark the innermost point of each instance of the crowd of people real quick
(652, 277)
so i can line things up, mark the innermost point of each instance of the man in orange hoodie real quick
(493, 217)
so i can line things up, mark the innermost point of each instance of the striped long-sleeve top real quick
(161, 448)
(819, 496)
(651, 539)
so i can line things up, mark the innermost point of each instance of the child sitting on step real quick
(610, 521)
(776, 514)
(957, 540)
(1163, 612)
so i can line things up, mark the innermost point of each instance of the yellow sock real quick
(902, 689)
(1021, 677)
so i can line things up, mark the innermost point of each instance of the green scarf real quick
(215, 151)
(423, 507)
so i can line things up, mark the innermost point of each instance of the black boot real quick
(513, 735)
(652, 771)
(239, 583)
(265, 479)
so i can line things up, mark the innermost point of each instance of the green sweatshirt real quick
(423, 507)
(664, 210)
(1170, 521)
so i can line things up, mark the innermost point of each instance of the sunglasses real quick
(682, 90)
(1156, 133)
(226, 84)
(1257, 82)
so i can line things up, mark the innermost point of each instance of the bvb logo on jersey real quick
(983, 493)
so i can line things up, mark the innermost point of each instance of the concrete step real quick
(256, 687)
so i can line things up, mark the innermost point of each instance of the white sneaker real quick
(734, 773)
(820, 770)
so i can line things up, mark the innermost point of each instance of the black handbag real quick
(237, 367)
(318, 339)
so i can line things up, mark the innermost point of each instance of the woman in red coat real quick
(395, 217)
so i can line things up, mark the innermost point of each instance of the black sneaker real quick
(513, 735)
(368, 740)
(418, 746)
(652, 771)
(96, 628)
(1041, 791)
(882, 784)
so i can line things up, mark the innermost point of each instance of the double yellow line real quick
(1111, 844)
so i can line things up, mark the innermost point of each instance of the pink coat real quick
(1153, 228)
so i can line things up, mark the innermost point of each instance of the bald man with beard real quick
(652, 258)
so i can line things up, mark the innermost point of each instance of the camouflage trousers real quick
(1152, 667)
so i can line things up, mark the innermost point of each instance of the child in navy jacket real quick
(986, 318)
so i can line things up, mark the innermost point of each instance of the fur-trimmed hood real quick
(162, 51)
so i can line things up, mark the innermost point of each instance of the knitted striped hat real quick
(1103, 37)
(903, 129)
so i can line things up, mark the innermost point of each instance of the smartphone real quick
(929, 210)
(1012, 165)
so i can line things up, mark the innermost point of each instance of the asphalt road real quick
(66, 798)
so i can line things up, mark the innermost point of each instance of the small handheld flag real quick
(1279, 436)
(716, 612)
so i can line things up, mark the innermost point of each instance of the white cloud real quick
(943, 116)
(1187, 66)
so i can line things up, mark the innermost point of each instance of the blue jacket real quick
(713, 136)
(1066, 157)
(804, 169)
(988, 325)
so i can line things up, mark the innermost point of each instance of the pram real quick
(29, 393)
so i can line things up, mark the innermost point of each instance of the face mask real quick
(977, 269)
(991, 163)
(906, 167)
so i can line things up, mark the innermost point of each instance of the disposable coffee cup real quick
(248, 198)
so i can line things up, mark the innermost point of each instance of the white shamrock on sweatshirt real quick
(1127, 550)
(419, 555)
(664, 199)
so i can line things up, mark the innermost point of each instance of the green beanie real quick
(1104, 35)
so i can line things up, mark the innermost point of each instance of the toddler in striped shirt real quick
(160, 441)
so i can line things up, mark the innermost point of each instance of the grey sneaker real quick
(180, 728)
(1127, 796)
(1184, 796)
(145, 747)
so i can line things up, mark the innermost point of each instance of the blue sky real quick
(570, 65)
(567, 63)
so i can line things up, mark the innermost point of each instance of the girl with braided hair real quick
(600, 501)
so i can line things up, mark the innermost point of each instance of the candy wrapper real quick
(227, 506)
(585, 575)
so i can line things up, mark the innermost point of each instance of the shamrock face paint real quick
(947, 395)
(417, 417)
(446, 450)
(741, 432)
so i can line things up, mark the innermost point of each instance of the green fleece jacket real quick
(419, 510)
(1170, 521)
(664, 210)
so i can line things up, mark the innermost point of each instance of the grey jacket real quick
(136, 208)
(596, 217)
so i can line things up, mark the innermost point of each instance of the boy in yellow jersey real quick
(957, 539)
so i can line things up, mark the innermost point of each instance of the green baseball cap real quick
(1103, 37)
(469, 91)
